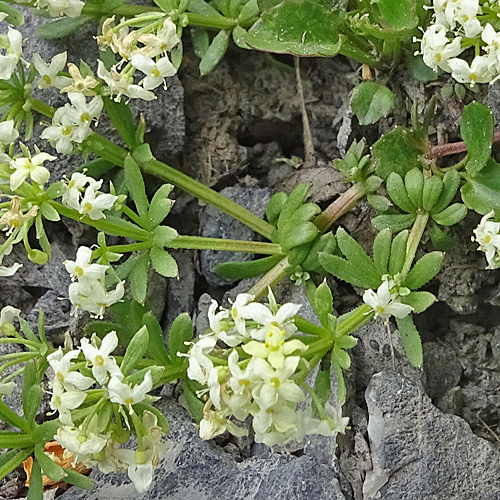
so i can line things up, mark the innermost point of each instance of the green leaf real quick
(323, 384)
(49, 467)
(139, 278)
(451, 183)
(194, 404)
(414, 184)
(397, 191)
(451, 215)
(249, 11)
(248, 269)
(378, 202)
(46, 431)
(397, 152)
(476, 129)
(14, 17)
(201, 40)
(136, 187)
(382, 250)
(371, 101)
(136, 349)
(482, 192)
(420, 301)
(35, 491)
(394, 222)
(346, 271)
(398, 253)
(163, 263)
(433, 186)
(78, 480)
(296, 235)
(164, 235)
(357, 256)
(215, 52)
(293, 202)
(322, 303)
(399, 15)
(33, 400)
(160, 205)
(339, 375)
(201, 7)
(275, 206)
(440, 240)
(411, 340)
(62, 27)
(424, 270)
(156, 348)
(180, 332)
(122, 119)
(299, 27)
(326, 243)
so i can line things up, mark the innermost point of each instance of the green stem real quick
(218, 22)
(16, 440)
(127, 230)
(28, 343)
(132, 247)
(115, 154)
(306, 326)
(275, 275)
(121, 11)
(200, 243)
(16, 460)
(132, 215)
(349, 50)
(414, 240)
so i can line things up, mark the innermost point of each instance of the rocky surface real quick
(418, 452)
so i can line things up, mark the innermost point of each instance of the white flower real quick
(238, 311)
(8, 61)
(49, 72)
(81, 114)
(488, 237)
(164, 41)
(384, 303)
(438, 56)
(82, 268)
(94, 202)
(83, 446)
(58, 8)
(492, 39)
(276, 425)
(78, 83)
(8, 132)
(155, 72)
(61, 364)
(30, 167)
(65, 401)
(61, 133)
(119, 85)
(8, 271)
(74, 188)
(93, 297)
(479, 71)
(7, 316)
(102, 362)
(124, 394)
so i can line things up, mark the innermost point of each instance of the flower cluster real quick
(458, 25)
(85, 435)
(89, 292)
(71, 123)
(385, 301)
(487, 235)
(57, 8)
(146, 52)
(255, 374)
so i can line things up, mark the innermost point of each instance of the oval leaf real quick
(371, 101)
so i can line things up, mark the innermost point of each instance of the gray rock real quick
(442, 369)
(379, 348)
(215, 224)
(452, 401)
(420, 453)
(198, 470)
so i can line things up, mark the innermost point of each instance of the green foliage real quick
(136, 349)
(481, 192)
(181, 332)
(62, 27)
(371, 101)
(476, 128)
(411, 340)
(215, 52)
(299, 27)
(248, 269)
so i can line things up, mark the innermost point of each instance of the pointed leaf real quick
(248, 269)
(180, 333)
(136, 187)
(451, 215)
(398, 253)
(344, 270)
(136, 349)
(163, 263)
(382, 250)
(411, 340)
(424, 270)
(156, 349)
(420, 301)
(215, 52)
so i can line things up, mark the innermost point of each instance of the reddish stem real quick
(454, 148)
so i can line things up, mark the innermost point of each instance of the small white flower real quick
(155, 72)
(62, 133)
(65, 401)
(49, 73)
(164, 41)
(58, 8)
(124, 394)
(13, 48)
(479, 70)
(7, 315)
(119, 85)
(93, 297)
(83, 446)
(74, 188)
(488, 237)
(94, 202)
(8, 132)
(102, 362)
(30, 167)
(82, 268)
(238, 310)
(61, 364)
(81, 114)
(384, 303)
